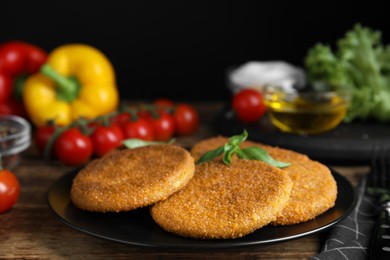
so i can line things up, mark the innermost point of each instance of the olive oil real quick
(307, 114)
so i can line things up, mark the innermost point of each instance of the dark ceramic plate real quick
(138, 228)
(352, 143)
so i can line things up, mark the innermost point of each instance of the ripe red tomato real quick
(163, 125)
(106, 138)
(73, 148)
(42, 136)
(163, 103)
(140, 129)
(143, 113)
(121, 119)
(248, 105)
(9, 189)
(186, 119)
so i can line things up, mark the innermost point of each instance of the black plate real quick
(138, 228)
(352, 143)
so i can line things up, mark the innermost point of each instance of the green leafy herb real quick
(233, 147)
(208, 156)
(134, 143)
(254, 153)
(360, 63)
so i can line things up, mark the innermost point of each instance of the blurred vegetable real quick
(163, 125)
(121, 119)
(138, 128)
(78, 81)
(186, 119)
(163, 103)
(248, 105)
(360, 63)
(73, 147)
(17, 61)
(105, 138)
(72, 144)
(9, 189)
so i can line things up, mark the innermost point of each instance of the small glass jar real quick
(306, 112)
(15, 137)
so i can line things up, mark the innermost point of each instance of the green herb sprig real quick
(233, 147)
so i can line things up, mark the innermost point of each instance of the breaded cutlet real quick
(314, 188)
(222, 202)
(132, 178)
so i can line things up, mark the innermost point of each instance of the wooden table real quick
(30, 230)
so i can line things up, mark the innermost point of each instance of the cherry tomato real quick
(248, 105)
(143, 113)
(106, 138)
(73, 148)
(163, 103)
(42, 136)
(163, 126)
(9, 189)
(121, 119)
(186, 119)
(140, 129)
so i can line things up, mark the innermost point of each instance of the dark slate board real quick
(352, 143)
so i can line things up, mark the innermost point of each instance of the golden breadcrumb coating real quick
(314, 188)
(225, 201)
(132, 178)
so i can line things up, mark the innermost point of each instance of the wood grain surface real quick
(31, 231)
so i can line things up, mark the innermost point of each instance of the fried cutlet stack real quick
(208, 200)
(314, 188)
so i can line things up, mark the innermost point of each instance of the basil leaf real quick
(257, 153)
(228, 153)
(134, 143)
(208, 156)
(238, 139)
(240, 154)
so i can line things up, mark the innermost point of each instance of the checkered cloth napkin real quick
(350, 238)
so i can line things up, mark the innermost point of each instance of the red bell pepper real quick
(17, 61)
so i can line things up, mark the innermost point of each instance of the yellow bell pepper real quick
(77, 81)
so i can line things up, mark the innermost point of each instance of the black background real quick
(182, 49)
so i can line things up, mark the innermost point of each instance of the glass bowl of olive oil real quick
(306, 112)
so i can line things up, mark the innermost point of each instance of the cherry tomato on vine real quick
(143, 113)
(163, 103)
(41, 137)
(121, 119)
(163, 125)
(9, 189)
(73, 147)
(186, 119)
(139, 128)
(248, 105)
(106, 138)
